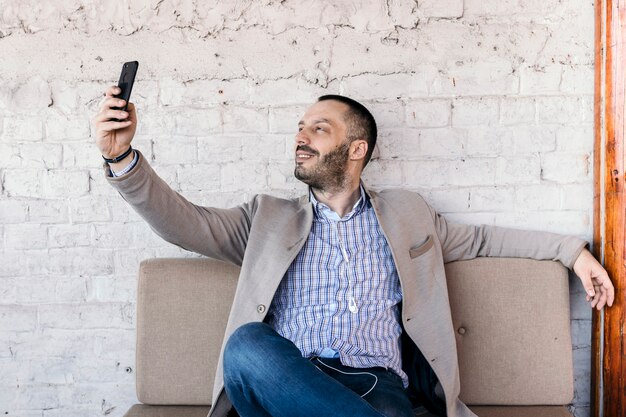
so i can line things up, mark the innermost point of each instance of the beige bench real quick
(511, 316)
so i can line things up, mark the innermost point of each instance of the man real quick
(341, 307)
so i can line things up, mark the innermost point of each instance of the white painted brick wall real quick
(483, 106)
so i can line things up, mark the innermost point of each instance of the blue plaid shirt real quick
(340, 296)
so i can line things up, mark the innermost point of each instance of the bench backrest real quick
(511, 317)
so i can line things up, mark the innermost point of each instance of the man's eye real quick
(319, 128)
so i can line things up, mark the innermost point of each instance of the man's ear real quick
(358, 149)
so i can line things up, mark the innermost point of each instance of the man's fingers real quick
(599, 300)
(112, 90)
(592, 295)
(608, 292)
(595, 301)
(112, 102)
(106, 115)
(588, 286)
(109, 126)
(604, 293)
(607, 287)
(595, 280)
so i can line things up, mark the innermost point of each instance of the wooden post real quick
(608, 377)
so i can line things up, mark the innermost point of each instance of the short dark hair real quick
(361, 123)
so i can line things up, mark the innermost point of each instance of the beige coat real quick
(264, 235)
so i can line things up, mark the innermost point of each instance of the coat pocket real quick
(423, 248)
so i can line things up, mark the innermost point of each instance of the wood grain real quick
(610, 106)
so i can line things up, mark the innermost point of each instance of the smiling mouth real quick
(304, 153)
(303, 156)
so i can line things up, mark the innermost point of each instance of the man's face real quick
(322, 149)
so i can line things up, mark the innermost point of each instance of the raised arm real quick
(217, 233)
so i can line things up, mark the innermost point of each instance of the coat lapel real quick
(281, 241)
(420, 292)
(399, 238)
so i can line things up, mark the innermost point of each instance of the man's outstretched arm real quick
(459, 242)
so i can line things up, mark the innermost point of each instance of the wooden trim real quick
(609, 352)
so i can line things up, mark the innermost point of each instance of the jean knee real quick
(242, 346)
(247, 333)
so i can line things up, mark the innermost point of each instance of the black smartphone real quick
(127, 79)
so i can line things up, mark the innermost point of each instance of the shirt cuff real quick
(130, 166)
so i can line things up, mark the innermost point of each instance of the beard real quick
(329, 174)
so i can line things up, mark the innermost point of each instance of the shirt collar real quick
(323, 211)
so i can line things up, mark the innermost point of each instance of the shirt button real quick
(461, 330)
(260, 309)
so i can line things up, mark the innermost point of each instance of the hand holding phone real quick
(116, 122)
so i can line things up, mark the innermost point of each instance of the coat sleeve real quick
(216, 233)
(461, 242)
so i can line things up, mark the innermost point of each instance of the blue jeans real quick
(266, 375)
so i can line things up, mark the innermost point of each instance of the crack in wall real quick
(98, 22)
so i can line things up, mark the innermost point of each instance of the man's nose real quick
(302, 138)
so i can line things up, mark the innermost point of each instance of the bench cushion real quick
(182, 310)
(512, 317)
(513, 331)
